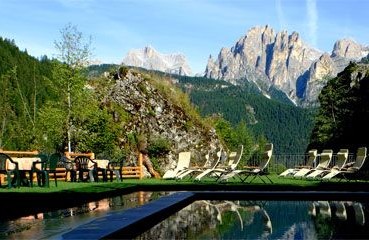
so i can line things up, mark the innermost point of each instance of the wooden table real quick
(102, 166)
(102, 163)
(24, 163)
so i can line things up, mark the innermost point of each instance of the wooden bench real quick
(18, 154)
(134, 172)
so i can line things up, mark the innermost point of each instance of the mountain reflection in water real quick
(264, 220)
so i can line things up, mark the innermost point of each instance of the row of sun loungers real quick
(220, 166)
(327, 170)
(339, 210)
(323, 166)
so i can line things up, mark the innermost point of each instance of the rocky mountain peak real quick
(274, 58)
(348, 48)
(151, 59)
(318, 75)
(149, 51)
(282, 60)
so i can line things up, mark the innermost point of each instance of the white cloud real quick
(312, 14)
(280, 14)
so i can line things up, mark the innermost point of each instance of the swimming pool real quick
(46, 225)
(243, 219)
(233, 215)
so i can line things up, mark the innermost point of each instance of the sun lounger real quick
(183, 162)
(351, 167)
(312, 208)
(359, 213)
(234, 159)
(324, 209)
(309, 164)
(325, 159)
(341, 160)
(340, 211)
(212, 161)
(257, 171)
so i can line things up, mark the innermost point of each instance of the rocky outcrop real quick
(151, 59)
(348, 48)
(282, 60)
(327, 67)
(318, 75)
(152, 114)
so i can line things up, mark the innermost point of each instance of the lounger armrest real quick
(34, 164)
(352, 169)
(250, 167)
(303, 166)
(350, 164)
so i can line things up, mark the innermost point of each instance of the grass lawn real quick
(279, 183)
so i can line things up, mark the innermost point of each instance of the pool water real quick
(265, 220)
(50, 225)
(205, 219)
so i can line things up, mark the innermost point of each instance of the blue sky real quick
(196, 28)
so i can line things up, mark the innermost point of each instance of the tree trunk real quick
(148, 164)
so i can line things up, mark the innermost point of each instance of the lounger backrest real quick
(325, 158)
(266, 156)
(235, 158)
(231, 158)
(183, 160)
(216, 158)
(360, 157)
(342, 157)
(311, 157)
(207, 157)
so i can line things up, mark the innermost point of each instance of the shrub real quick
(158, 147)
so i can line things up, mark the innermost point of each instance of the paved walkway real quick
(130, 223)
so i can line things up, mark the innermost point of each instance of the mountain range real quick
(284, 61)
(266, 58)
(151, 59)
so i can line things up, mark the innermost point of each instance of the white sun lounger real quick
(341, 160)
(311, 158)
(210, 158)
(234, 159)
(325, 159)
(351, 167)
(183, 162)
(257, 171)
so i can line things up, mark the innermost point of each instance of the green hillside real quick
(287, 126)
(25, 87)
(277, 119)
